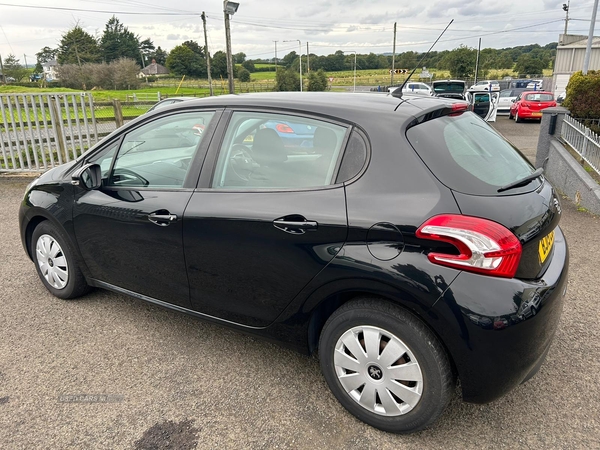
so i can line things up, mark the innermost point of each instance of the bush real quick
(249, 66)
(287, 80)
(317, 81)
(243, 75)
(582, 95)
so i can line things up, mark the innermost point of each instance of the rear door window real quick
(469, 156)
(278, 151)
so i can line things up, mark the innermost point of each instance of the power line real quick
(135, 13)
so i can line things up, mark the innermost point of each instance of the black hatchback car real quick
(403, 239)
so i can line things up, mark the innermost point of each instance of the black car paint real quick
(477, 317)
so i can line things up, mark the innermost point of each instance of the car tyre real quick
(510, 116)
(517, 118)
(55, 262)
(352, 350)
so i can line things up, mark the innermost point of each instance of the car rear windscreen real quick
(539, 97)
(469, 156)
(449, 87)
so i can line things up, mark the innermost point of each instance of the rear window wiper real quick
(523, 181)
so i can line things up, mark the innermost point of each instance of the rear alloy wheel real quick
(385, 367)
(517, 118)
(55, 264)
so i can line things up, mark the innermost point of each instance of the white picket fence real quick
(583, 140)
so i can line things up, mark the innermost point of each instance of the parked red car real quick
(529, 105)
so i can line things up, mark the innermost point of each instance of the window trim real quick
(207, 175)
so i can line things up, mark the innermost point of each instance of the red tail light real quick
(459, 107)
(283, 128)
(484, 246)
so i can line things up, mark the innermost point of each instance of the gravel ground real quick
(158, 379)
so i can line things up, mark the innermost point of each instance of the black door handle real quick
(162, 220)
(295, 224)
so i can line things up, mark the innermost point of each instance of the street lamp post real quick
(300, 56)
(229, 9)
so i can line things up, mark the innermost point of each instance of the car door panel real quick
(243, 264)
(143, 256)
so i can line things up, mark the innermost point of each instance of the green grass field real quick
(260, 81)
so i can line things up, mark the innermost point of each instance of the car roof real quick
(343, 105)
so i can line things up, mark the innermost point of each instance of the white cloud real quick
(335, 24)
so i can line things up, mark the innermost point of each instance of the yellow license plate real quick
(545, 246)
(536, 114)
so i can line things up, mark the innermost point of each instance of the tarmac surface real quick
(112, 372)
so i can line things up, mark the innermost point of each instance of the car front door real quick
(267, 216)
(130, 230)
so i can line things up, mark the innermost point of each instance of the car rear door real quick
(265, 219)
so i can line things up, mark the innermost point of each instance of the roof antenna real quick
(398, 92)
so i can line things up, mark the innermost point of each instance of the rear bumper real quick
(498, 331)
(529, 114)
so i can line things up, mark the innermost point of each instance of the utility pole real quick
(477, 61)
(25, 56)
(275, 56)
(307, 59)
(393, 58)
(566, 9)
(229, 8)
(588, 49)
(210, 88)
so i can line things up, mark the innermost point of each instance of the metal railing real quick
(583, 140)
(39, 131)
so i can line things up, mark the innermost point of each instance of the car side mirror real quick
(89, 177)
(513, 100)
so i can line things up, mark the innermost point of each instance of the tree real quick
(528, 65)
(147, 51)
(12, 68)
(118, 42)
(239, 58)
(287, 80)
(160, 56)
(317, 81)
(219, 64)
(243, 75)
(46, 54)
(193, 46)
(249, 66)
(78, 47)
(183, 61)
(460, 62)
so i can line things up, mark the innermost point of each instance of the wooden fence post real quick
(57, 125)
(118, 112)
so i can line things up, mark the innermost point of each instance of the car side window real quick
(159, 153)
(105, 158)
(277, 151)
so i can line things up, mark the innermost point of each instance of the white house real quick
(49, 67)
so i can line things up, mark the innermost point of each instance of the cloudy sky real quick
(351, 25)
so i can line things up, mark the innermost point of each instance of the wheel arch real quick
(326, 305)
